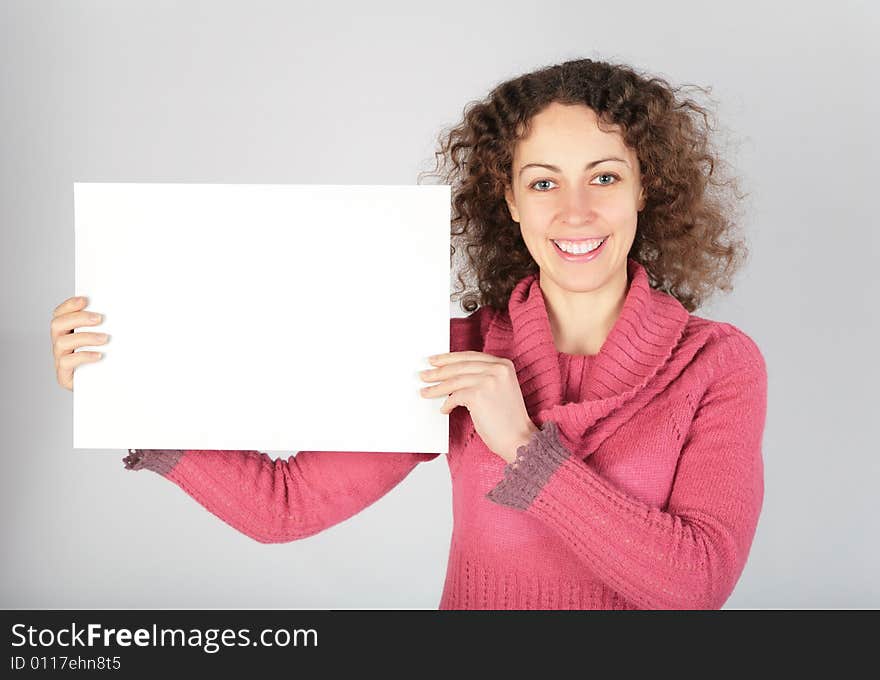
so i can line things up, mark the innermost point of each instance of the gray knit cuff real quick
(535, 463)
(157, 460)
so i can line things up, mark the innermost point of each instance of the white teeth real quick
(579, 248)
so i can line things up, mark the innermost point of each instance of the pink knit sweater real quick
(641, 490)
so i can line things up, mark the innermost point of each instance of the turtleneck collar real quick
(640, 342)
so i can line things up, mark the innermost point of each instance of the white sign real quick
(265, 317)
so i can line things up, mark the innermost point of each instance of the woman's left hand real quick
(488, 387)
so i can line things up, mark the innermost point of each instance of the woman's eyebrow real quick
(586, 167)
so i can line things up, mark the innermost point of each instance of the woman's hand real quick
(488, 387)
(66, 318)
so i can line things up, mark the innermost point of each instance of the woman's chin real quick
(582, 277)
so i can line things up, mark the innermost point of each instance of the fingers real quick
(68, 343)
(63, 337)
(446, 387)
(455, 368)
(69, 305)
(466, 355)
(66, 317)
(66, 365)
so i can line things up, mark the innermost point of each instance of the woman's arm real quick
(275, 500)
(691, 555)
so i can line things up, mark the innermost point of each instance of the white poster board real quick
(267, 317)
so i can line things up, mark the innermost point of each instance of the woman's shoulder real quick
(468, 332)
(724, 344)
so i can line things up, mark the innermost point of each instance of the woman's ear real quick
(511, 204)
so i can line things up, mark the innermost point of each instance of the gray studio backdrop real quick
(355, 94)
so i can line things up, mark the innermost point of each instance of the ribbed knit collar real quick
(640, 342)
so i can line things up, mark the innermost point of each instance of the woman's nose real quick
(578, 204)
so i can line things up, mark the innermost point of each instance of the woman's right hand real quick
(65, 319)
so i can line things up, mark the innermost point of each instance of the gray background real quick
(345, 93)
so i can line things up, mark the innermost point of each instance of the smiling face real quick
(577, 199)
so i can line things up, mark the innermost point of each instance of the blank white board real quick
(269, 317)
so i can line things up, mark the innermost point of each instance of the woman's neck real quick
(581, 321)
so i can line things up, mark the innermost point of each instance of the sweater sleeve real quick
(275, 500)
(690, 554)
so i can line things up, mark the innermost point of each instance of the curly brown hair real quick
(685, 233)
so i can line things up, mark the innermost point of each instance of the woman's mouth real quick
(577, 256)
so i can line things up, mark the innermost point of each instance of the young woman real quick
(605, 443)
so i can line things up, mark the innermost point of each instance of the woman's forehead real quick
(571, 125)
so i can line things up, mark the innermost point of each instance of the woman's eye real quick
(541, 181)
(608, 174)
